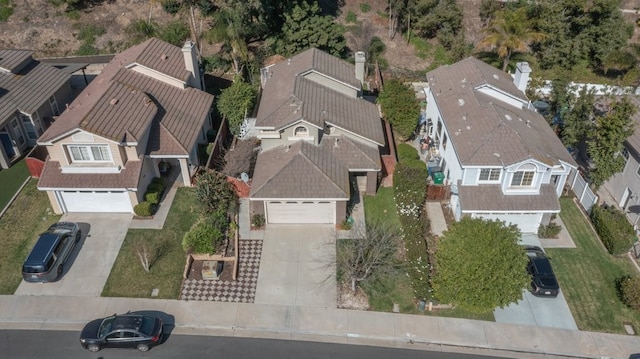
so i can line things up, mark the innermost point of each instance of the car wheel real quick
(60, 270)
(143, 347)
(93, 347)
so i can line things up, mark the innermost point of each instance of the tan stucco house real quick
(146, 106)
(320, 139)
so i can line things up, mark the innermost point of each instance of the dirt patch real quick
(348, 299)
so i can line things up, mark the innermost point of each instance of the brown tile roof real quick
(484, 130)
(299, 171)
(490, 198)
(180, 111)
(26, 88)
(353, 155)
(53, 178)
(288, 97)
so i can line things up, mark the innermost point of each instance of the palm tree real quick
(510, 31)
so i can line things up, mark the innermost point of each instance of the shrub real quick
(152, 197)
(364, 7)
(157, 185)
(171, 6)
(175, 33)
(550, 230)
(614, 230)
(216, 63)
(144, 209)
(200, 238)
(629, 288)
(6, 10)
(351, 17)
(214, 192)
(258, 220)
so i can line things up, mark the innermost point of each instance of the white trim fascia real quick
(511, 212)
(524, 101)
(303, 74)
(364, 170)
(135, 64)
(280, 199)
(355, 134)
(87, 189)
(167, 156)
(71, 133)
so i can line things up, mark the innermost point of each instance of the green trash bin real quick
(438, 177)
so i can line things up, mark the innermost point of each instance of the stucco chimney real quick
(360, 60)
(192, 65)
(522, 75)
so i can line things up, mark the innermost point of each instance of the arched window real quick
(301, 131)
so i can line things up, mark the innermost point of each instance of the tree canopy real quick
(305, 27)
(400, 107)
(480, 266)
(235, 101)
(607, 140)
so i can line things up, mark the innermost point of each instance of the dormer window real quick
(301, 131)
(522, 179)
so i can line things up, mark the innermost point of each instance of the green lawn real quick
(10, 181)
(128, 278)
(587, 276)
(28, 216)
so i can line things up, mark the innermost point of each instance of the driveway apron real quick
(89, 266)
(297, 266)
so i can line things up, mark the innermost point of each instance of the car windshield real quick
(105, 327)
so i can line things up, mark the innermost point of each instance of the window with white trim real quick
(29, 127)
(301, 131)
(93, 153)
(522, 179)
(489, 175)
(54, 106)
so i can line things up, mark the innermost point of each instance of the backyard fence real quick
(580, 187)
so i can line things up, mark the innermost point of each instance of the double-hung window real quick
(93, 153)
(522, 179)
(489, 175)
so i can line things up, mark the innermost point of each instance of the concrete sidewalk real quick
(324, 325)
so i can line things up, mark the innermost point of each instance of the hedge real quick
(614, 230)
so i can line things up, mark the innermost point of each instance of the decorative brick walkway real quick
(242, 290)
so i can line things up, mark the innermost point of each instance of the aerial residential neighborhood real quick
(445, 177)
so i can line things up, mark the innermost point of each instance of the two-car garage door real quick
(300, 212)
(94, 201)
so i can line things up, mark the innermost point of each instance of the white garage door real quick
(527, 222)
(301, 212)
(94, 201)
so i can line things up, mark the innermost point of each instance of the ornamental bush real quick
(629, 288)
(200, 239)
(144, 209)
(614, 230)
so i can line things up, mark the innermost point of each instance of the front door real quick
(7, 144)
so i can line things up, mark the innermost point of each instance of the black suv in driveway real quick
(46, 261)
(543, 280)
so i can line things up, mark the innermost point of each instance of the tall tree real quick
(429, 17)
(235, 102)
(230, 27)
(578, 120)
(400, 107)
(480, 266)
(510, 31)
(306, 27)
(607, 140)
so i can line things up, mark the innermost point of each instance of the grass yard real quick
(587, 276)
(10, 181)
(128, 278)
(28, 216)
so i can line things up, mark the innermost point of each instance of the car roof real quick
(127, 322)
(43, 248)
(542, 264)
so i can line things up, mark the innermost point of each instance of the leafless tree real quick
(149, 254)
(239, 158)
(371, 251)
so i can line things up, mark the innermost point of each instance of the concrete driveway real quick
(536, 311)
(297, 266)
(90, 263)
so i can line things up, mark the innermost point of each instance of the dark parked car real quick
(46, 261)
(122, 331)
(543, 280)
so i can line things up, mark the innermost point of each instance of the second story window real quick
(91, 153)
(301, 131)
(522, 179)
(489, 175)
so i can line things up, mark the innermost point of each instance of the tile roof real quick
(288, 97)
(485, 130)
(26, 88)
(181, 112)
(52, 177)
(301, 170)
(490, 198)
(352, 154)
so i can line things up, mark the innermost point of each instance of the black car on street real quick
(122, 331)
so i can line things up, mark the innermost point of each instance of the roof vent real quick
(495, 76)
(460, 102)
(528, 123)
(164, 57)
(508, 117)
(114, 101)
(468, 127)
(464, 118)
(336, 143)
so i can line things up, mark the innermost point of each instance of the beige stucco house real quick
(320, 140)
(146, 106)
